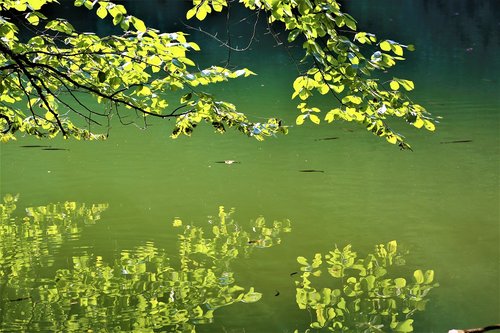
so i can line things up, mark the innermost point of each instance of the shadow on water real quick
(147, 289)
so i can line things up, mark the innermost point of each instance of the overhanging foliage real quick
(44, 80)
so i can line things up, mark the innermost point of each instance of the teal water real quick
(440, 202)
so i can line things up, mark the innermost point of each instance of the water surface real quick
(440, 202)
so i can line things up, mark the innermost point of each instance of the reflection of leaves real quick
(142, 291)
(30, 242)
(361, 296)
(27, 248)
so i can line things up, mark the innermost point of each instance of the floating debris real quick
(277, 293)
(456, 141)
(293, 273)
(55, 149)
(228, 162)
(35, 146)
(311, 170)
(327, 139)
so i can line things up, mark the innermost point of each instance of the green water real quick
(440, 202)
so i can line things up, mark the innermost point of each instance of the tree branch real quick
(476, 330)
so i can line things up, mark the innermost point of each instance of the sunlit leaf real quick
(394, 85)
(314, 118)
(385, 46)
(101, 11)
(300, 119)
(419, 276)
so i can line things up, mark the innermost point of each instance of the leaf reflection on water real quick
(142, 291)
(361, 294)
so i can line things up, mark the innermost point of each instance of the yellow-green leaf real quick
(102, 12)
(394, 85)
(399, 282)
(418, 123)
(429, 276)
(429, 125)
(190, 13)
(49, 116)
(338, 89)
(397, 49)
(419, 276)
(139, 24)
(314, 118)
(32, 18)
(407, 84)
(391, 139)
(385, 46)
(36, 4)
(201, 13)
(300, 119)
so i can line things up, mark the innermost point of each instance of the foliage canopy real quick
(47, 67)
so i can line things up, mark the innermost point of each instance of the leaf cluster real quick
(361, 293)
(45, 82)
(343, 63)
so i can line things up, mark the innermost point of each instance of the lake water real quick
(440, 202)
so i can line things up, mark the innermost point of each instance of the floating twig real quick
(326, 139)
(456, 141)
(228, 162)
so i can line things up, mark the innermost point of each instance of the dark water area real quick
(98, 223)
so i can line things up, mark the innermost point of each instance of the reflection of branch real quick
(9, 124)
(477, 330)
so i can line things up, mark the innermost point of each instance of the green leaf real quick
(418, 123)
(201, 13)
(190, 13)
(302, 260)
(419, 276)
(36, 4)
(101, 11)
(49, 116)
(429, 276)
(407, 84)
(429, 125)
(397, 49)
(314, 118)
(33, 18)
(405, 326)
(177, 63)
(300, 119)
(251, 297)
(139, 24)
(293, 35)
(385, 46)
(400, 282)
(394, 85)
(118, 18)
(88, 4)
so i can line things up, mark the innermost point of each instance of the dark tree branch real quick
(477, 330)
(227, 43)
